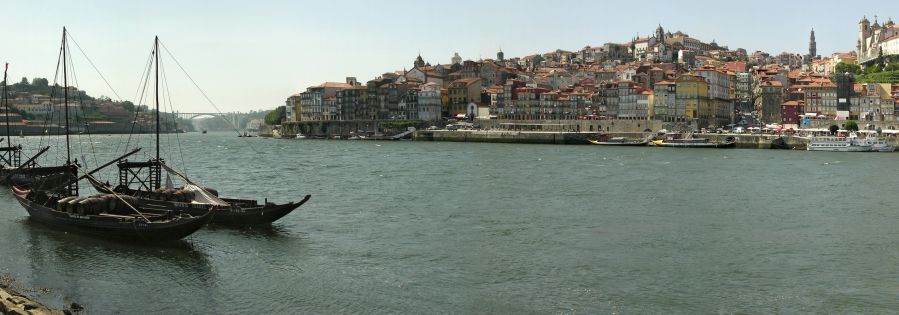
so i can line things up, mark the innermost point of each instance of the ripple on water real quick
(478, 228)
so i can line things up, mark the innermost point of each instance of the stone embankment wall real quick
(503, 136)
(500, 136)
(616, 125)
(345, 129)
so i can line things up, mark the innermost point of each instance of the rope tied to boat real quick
(91, 177)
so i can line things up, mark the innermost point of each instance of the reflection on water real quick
(264, 232)
(413, 227)
(83, 267)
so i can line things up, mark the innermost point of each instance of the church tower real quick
(500, 56)
(457, 60)
(419, 62)
(863, 30)
(812, 46)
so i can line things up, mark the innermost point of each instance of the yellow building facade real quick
(693, 100)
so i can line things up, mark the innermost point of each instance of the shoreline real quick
(743, 141)
(13, 302)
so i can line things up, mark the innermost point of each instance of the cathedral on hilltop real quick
(876, 41)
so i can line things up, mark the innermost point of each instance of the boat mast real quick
(65, 88)
(156, 53)
(6, 103)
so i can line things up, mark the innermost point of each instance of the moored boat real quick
(687, 141)
(850, 143)
(619, 141)
(191, 198)
(879, 144)
(53, 199)
(197, 200)
(103, 215)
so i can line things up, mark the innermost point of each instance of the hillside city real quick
(37, 107)
(680, 81)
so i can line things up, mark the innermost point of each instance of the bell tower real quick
(812, 46)
(863, 33)
(419, 62)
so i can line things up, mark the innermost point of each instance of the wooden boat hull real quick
(625, 143)
(696, 145)
(236, 215)
(242, 212)
(26, 176)
(121, 227)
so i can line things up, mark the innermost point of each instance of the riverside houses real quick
(429, 102)
(460, 93)
(681, 82)
(721, 89)
(789, 113)
(665, 102)
(770, 101)
(693, 97)
(312, 102)
(821, 98)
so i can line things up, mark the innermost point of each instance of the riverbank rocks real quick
(12, 303)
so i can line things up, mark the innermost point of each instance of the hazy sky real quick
(253, 54)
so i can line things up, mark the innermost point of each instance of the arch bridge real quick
(237, 119)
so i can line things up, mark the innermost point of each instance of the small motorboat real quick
(620, 141)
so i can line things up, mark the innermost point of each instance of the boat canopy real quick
(204, 197)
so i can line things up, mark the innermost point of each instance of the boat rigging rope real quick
(94, 66)
(170, 106)
(198, 86)
(78, 116)
(142, 88)
(114, 194)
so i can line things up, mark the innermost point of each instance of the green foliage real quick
(400, 124)
(880, 77)
(128, 105)
(25, 115)
(276, 116)
(892, 67)
(875, 68)
(40, 82)
(24, 80)
(851, 125)
(843, 67)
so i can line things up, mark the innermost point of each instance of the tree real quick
(40, 82)
(875, 68)
(127, 105)
(834, 129)
(851, 125)
(843, 67)
(276, 116)
(24, 81)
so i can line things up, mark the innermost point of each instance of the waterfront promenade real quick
(746, 141)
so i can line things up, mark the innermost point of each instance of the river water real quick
(427, 227)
